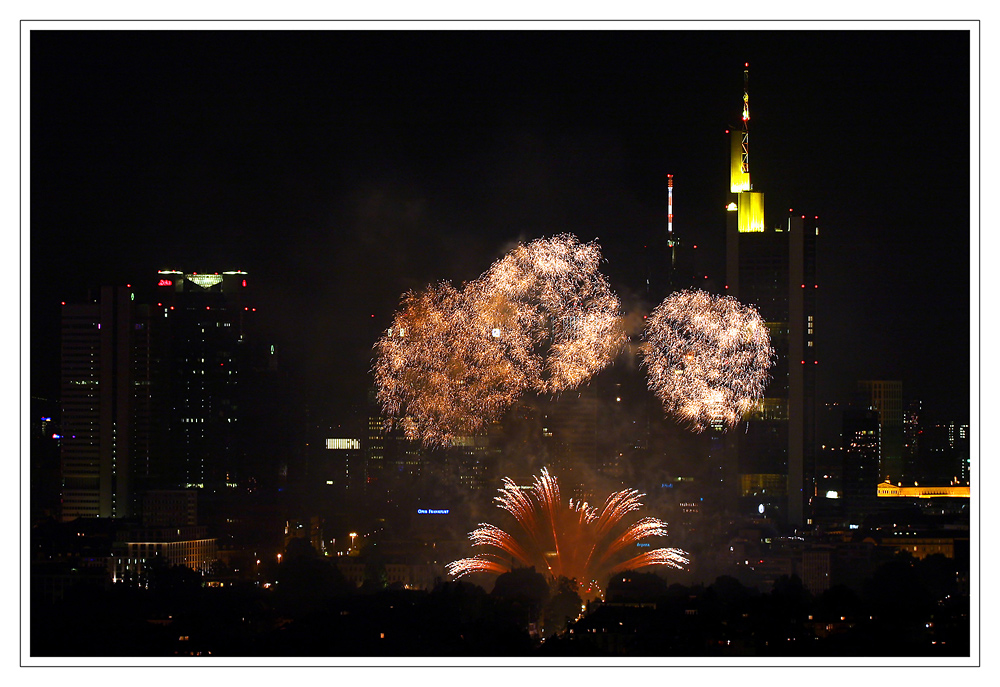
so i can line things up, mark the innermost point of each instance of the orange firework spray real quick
(573, 540)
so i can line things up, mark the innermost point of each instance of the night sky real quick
(341, 168)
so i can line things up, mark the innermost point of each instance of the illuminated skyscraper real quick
(769, 457)
(214, 379)
(106, 401)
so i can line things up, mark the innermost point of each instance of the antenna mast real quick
(746, 119)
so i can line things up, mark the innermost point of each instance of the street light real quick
(352, 535)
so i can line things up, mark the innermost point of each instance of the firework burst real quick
(573, 540)
(568, 318)
(443, 369)
(707, 358)
(542, 318)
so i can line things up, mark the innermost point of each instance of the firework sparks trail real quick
(440, 370)
(707, 358)
(571, 540)
(542, 318)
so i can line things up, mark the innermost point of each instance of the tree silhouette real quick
(563, 606)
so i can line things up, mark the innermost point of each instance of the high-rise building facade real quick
(212, 374)
(886, 398)
(770, 458)
(106, 444)
(860, 452)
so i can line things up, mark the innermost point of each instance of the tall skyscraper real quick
(770, 457)
(911, 436)
(860, 454)
(106, 404)
(212, 374)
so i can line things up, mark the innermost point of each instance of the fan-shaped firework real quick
(707, 357)
(541, 318)
(573, 540)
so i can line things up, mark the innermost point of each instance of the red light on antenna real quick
(244, 282)
(746, 64)
(694, 246)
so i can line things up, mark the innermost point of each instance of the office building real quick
(860, 453)
(770, 456)
(215, 380)
(136, 549)
(106, 372)
(886, 398)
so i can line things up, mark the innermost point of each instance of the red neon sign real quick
(165, 282)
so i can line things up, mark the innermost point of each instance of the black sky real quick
(340, 168)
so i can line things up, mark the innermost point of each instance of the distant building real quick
(212, 373)
(170, 508)
(569, 434)
(474, 459)
(45, 437)
(886, 398)
(311, 531)
(944, 454)
(889, 490)
(106, 443)
(774, 270)
(341, 467)
(135, 549)
(912, 429)
(162, 392)
(860, 454)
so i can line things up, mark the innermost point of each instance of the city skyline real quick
(382, 175)
(258, 446)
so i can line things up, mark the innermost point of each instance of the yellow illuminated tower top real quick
(739, 147)
(749, 205)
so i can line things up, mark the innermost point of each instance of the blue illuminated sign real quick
(433, 511)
